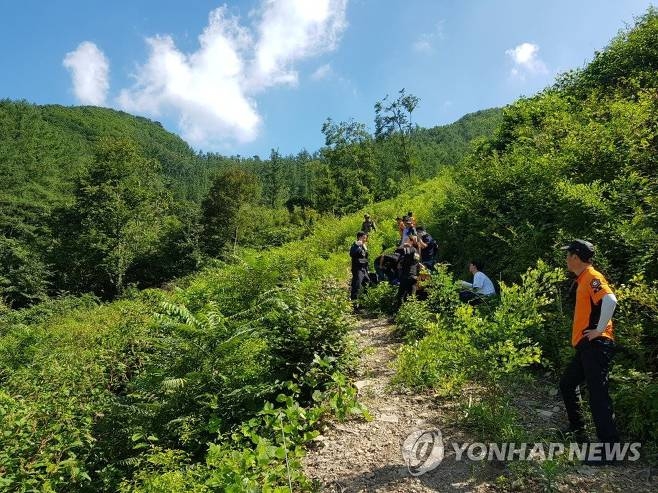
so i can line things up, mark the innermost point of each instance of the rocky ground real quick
(359, 456)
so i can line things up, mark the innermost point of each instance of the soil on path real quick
(359, 456)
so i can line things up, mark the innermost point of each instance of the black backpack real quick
(407, 260)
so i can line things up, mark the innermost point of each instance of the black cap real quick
(584, 249)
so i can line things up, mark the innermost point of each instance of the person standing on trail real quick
(368, 224)
(359, 255)
(592, 337)
(400, 222)
(409, 265)
(411, 217)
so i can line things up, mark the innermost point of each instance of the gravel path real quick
(366, 456)
(359, 456)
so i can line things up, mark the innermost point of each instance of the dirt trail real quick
(366, 456)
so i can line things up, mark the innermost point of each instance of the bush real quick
(493, 419)
(414, 320)
(23, 274)
(635, 398)
(379, 299)
(443, 294)
(442, 360)
(484, 344)
(636, 324)
(129, 394)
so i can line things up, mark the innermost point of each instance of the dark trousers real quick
(408, 286)
(470, 297)
(591, 365)
(359, 278)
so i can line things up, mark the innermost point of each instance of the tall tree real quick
(274, 186)
(118, 215)
(349, 152)
(393, 121)
(23, 274)
(231, 190)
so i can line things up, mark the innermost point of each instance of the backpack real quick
(407, 262)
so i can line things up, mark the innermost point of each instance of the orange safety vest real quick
(592, 287)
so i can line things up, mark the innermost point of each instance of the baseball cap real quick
(584, 249)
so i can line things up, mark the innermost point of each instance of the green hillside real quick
(578, 160)
(45, 147)
(60, 232)
(187, 388)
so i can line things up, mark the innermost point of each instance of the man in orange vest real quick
(592, 337)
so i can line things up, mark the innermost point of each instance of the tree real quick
(118, 215)
(22, 274)
(350, 154)
(274, 186)
(393, 121)
(231, 190)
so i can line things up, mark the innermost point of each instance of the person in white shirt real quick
(409, 230)
(480, 287)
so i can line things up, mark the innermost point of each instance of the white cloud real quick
(90, 71)
(423, 45)
(290, 30)
(204, 89)
(322, 72)
(526, 60)
(425, 42)
(212, 91)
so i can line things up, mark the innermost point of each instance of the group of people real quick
(592, 330)
(415, 252)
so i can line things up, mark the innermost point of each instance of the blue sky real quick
(242, 77)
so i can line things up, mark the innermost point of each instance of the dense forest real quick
(95, 200)
(217, 380)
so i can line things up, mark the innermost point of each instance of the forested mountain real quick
(95, 199)
(45, 147)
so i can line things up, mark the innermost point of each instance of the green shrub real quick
(43, 311)
(443, 294)
(260, 454)
(379, 299)
(636, 324)
(493, 419)
(441, 360)
(492, 342)
(413, 320)
(635, 398)
(307, 323)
